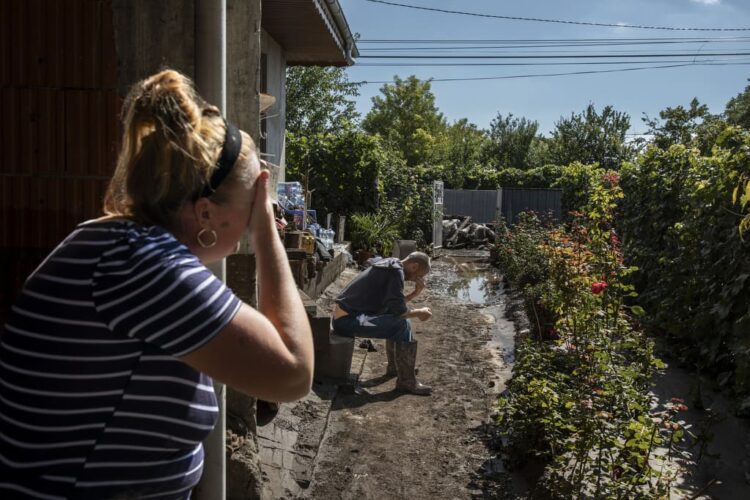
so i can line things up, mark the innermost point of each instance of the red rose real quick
(598, 287)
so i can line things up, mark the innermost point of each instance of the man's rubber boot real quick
(390, 371)
(406, 358)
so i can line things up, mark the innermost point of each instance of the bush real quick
(576, 181)
(579, 397)
(679, 224)
(344, 170)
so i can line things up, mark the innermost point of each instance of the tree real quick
(406, 117)
(510, 140)
(590, 137)
(539, 154)
(738, 109)
(463, 152)
(693, 127)
(319, 100)
(343, 169)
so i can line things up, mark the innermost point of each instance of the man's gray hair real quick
(420, 258)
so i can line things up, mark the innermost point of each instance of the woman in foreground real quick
(107, 357)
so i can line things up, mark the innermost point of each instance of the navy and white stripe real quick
(94, 401)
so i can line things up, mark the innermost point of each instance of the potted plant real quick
(372, 234)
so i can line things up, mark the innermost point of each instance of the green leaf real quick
(638, 310)
(658, 363)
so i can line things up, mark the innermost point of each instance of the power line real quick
(548, 63)
(551, 40)
(517, 46)
(556, 21)
(590, 72)
(553, 56)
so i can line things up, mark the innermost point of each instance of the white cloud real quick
(707, 2)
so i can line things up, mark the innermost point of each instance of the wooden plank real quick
(75, 116)
(34, 34)
(54, 38)
(8, 130)
(5, 211)
(73, 43)
(5, 43)
(108, 48)
(20, 236)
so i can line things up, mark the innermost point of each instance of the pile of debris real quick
(460, 232)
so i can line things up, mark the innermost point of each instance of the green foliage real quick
(538, 177)
(463, 144)
(509, 143)
(738, 109)
(519, 253)
(679, 224)
(539, 153)
(344, 169)
(408, 200)
(319, 100)
(692, 127)
(741, 195)
(374, 232)
(407, 119)
(579, 399)
(590, 137)
(577, 181)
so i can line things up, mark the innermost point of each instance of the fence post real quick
(437, 214)
(499, 205)
(340, 233)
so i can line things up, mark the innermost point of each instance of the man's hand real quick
(423, 314)
(419, 286)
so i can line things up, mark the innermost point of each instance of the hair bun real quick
(168, 102)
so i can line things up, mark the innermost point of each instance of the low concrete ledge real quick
(333, 363)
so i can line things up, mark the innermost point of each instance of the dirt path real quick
(392, 445)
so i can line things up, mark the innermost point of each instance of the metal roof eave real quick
(311, 32)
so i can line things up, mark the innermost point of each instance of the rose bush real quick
(579, 399)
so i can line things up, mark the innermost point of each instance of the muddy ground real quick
(341, 443)
(387, 444)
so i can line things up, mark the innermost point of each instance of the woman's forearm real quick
(278, 298)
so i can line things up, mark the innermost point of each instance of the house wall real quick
(275, 117)
(243, 64)
(64, 70)
(58, 126)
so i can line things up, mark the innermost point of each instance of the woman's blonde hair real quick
(171, 143)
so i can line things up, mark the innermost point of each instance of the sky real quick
(547, 99)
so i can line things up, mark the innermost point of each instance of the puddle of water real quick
(502, 345)
(476, 281)
(474, 291)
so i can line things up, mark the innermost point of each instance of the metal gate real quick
(487, 206)
(546, 203)
(483, 206)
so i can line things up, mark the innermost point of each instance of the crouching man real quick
(373, 305)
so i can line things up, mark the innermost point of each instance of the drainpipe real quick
(211, 81)
(338, 15)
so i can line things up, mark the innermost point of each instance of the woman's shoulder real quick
(110, 228)
(126, 239)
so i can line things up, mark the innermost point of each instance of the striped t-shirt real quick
(94, 402)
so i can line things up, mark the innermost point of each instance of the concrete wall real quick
(243, 65)
(152, 35)
(149, 36)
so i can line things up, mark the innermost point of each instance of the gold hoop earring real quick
(202, 243)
